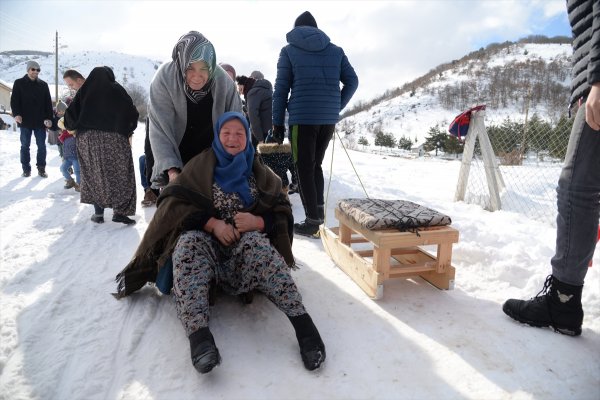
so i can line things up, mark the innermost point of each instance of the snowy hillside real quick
(127, 68)
(410, 114)
(414, 112)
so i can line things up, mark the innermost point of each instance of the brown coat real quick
(191, 193)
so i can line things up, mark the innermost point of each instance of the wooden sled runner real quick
(372, 256)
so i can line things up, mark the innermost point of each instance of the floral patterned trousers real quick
(252, 263)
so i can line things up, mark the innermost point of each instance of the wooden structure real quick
(494, 178)
(389, 253)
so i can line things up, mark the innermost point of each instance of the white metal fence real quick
(514, 166)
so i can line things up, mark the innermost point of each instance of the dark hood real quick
(308, 38)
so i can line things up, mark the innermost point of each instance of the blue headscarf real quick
(232, 172)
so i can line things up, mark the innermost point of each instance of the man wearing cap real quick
(311, 68)
(31, 106)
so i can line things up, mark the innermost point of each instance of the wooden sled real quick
(389, 254)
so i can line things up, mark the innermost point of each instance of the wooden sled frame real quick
(390, 254)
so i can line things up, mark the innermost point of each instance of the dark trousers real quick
(143, 178)
(40, 140)
(309, 143)
(578, 204)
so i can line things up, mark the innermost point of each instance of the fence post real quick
(494, 178)
(489, 162)
(465, 166)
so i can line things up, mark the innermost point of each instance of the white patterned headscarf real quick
(190, 48)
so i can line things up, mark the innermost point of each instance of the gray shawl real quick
(167, 111)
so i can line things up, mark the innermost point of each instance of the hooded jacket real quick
(312, 67)
(259, 101)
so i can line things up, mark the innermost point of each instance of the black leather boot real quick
(312, 348)
(558, 305)
(205, 355)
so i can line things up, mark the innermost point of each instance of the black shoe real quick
(312, 351)
(205, 355)
(98, 218)
(292, 188)
(26, 174)
(42, 173)
(558, 305)
(123, 219)
(312, 348)
(307, 228)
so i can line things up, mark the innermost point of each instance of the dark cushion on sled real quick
(404, 215)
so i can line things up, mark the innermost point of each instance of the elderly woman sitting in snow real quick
(224, 218)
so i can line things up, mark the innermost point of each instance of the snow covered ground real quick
(63, 336)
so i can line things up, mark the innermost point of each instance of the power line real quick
(27, 39)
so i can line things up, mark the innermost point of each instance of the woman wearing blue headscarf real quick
(224, 219)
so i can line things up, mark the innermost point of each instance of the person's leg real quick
(150, 195)
(305, 138)
(558, 304)
(142, 165)
(64, 169)
(124, 199)
(76, 169)
(40, 140)
(98, 216)
(25, 144)
(323, 139)
(267, 266)
(269, 269)
(578, 206)
(194, 261)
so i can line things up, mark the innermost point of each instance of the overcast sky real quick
(389, 43)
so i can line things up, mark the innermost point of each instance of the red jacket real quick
(64, 136)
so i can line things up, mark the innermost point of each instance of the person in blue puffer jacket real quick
(309, 70)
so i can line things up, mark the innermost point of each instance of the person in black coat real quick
(104, 116)
(31, 106)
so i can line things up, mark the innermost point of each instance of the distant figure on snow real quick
(104, 118)
(31, 107)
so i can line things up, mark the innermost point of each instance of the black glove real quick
(278, 133)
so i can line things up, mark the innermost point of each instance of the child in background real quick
(69, 158)
(54, 131)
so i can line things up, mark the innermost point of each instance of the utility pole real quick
(56, 70)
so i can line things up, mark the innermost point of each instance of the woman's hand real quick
(225, 233)
(592, 107)
(173, 173)
(246, 222)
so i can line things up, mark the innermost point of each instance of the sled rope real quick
(410, 225)
(331, 169)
